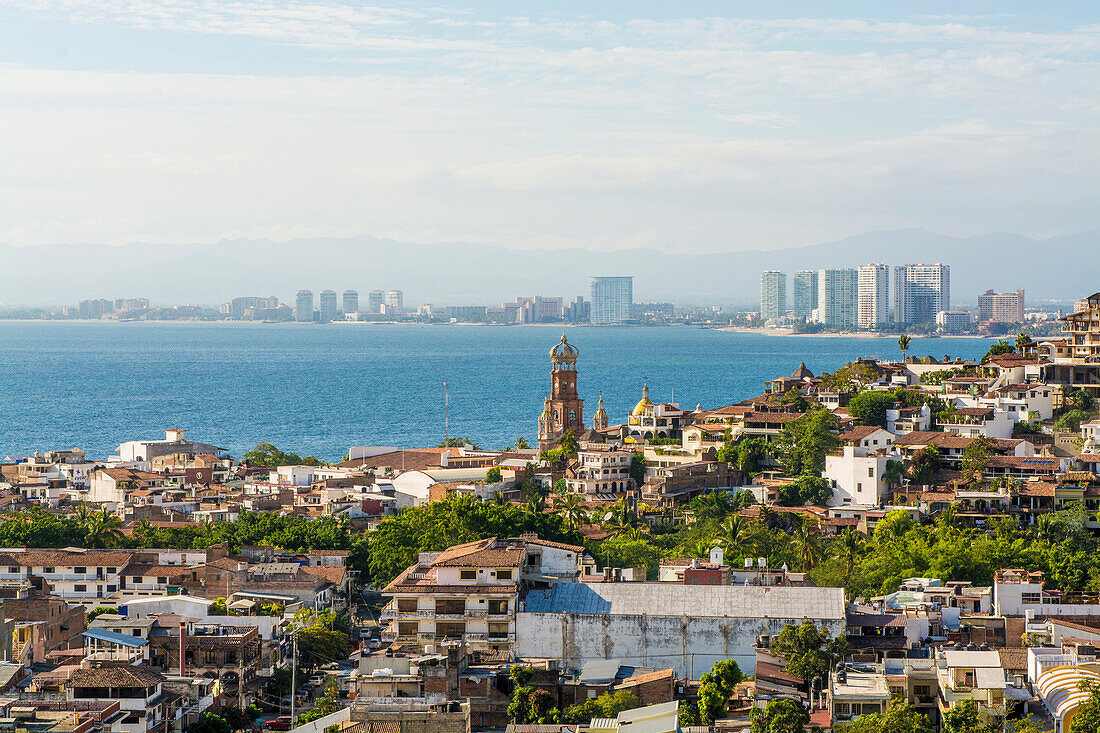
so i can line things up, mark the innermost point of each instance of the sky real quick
(686, 126)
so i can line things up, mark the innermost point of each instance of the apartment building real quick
(837, 297)
(803, 293)
(138, 690)
(83, 576)
(601, 472)
(920, 292)
(1001, 307)
(471, 592)
(773, 295)
(874, 296)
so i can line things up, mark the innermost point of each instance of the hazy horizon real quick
(685, 128)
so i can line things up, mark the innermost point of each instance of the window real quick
(80, 570)
(467, 574)
(47, 570)
(504, 574)
(80, 588)
(1030, 598)
(162, 580)
(922, 690)
(406, 605)
(135, 579)
(135, 632)
(13, 570)
(112, 588)
(112, 570)
(871, 472)
(840, 708)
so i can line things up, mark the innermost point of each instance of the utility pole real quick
(293, 674)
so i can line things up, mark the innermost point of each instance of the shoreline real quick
(842, 334)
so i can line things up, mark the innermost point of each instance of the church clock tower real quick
(563, 409)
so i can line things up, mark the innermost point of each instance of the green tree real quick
(903, 344)
(898, 718)
(1071, 421)
(1087, 717)
(99, 611)
(326, 704)
(318, 645)
(802, 445)
(568, 444)
(808, 650)
(715, 689)
(637, 468)
(570, 509)
(976, 456)
(1078, 399)
(521, 444)
(779, 716)
(966, 718)
(894, 473)
(869, 408)
(997, 349)
(851, 549)
(458, 442)
(103, 529)
(924, 465)
(807, 546)
(805, 490)
(209, 723)
(493, 475)
(1023, 341)
(266, 454)
(731, 535)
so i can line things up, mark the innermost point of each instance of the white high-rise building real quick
(773, 295)
(804, 293)
(920, 292)
(612, 299)
(303, 306)
(395, 299)
(837, 301)
(874, 296)
(328, 306)
(375, 300)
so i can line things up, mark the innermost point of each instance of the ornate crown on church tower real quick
(564, 352)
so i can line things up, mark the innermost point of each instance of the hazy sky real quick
(693, 126)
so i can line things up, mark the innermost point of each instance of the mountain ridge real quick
(468, 273)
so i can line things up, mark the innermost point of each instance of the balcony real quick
(477, 613)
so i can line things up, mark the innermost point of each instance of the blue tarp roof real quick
(115, 638)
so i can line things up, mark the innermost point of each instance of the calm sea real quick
(320, 389)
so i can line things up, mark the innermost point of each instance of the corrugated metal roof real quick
(600, 671)
(668, 599)
(115, 638)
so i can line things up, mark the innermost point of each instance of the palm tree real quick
(569, 507)
(104, 529)
(521, 444)
(701, 548)
(903, 344)
(806, 545)
(1022, 341)
(947, 516)
(851, 547)
(83, 514)
(536, 503)
(143, 532)
(731, 534)
(499, 499)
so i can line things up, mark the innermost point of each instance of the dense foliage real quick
(265, 454)
(898, 718)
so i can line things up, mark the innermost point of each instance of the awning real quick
(990, 678)
(113, 637)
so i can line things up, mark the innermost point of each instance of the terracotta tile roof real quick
(116, 677)
(60, 558)
(415, 459)
(1035, 488)
(547, 543)
(858, 433)
(334, 575)
(973, 411)
(933, 496)
(641, 679)
(167, 571)
(679, 562)
(1013, 658)
(778, 418)
(1013, 360)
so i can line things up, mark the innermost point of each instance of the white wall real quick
(856, 479)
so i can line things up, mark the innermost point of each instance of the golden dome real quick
(600, 412)
(564, 352)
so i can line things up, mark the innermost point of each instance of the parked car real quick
(364, 633)
(280, 723)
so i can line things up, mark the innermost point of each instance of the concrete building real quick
(601, 472)
(578, 310)
(952, 321)
(395, 299)
(804, 293)
(874, 296)
(686, 627)
(471, 592)
(1018, 592)
(96, 308)
(773, 295)
(837, 301)
(857, 479)
(920, 292)
(375, 300)
(853, 693)
(1001, 307)
(175, 442)
(612, 300)
(303, 306)
(351, 301)
(328, 306)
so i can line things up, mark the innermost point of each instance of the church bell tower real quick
(563, 409)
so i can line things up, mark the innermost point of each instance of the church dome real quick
(564, 352)
(640, 408)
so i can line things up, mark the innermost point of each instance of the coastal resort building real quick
(563, 409)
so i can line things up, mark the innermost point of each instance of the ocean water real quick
(320, 389)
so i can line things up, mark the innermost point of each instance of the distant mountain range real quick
(459, 273)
